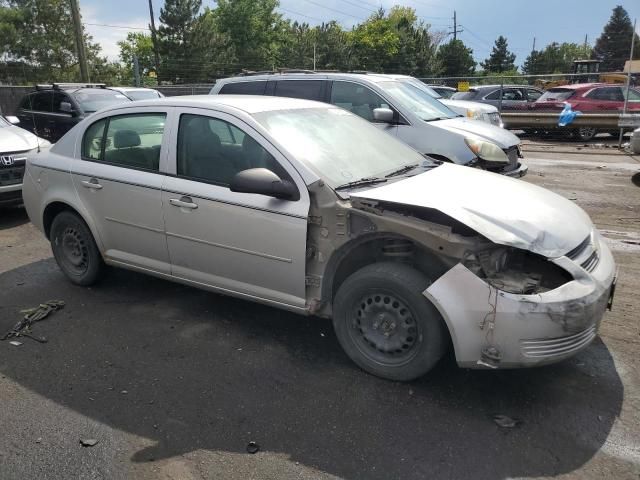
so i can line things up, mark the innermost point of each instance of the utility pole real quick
(455, 26)
(626, 97)
(77, 25)
(136, 71)
(314, 56)
(533, 49)
(586, 40)
(153, 39)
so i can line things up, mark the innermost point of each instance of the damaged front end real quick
(507, 307)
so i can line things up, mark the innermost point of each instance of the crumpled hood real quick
(505, 210)
(462, 126)
(16, 139)
(467, 105)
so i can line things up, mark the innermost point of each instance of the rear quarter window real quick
(305, 89)
(244, 88)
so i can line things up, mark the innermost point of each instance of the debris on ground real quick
(15, 343)
(253, 447)
(88, 442)
(33, 315)
(39, 440)
(505, 421)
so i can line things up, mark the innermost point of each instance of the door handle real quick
(93, 184)
(183, 202)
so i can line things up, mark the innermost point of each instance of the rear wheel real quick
(585, 134)
(75, 250)
(386, 325)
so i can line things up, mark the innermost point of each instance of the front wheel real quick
(75, 250)
(585, 134)
(385, 324)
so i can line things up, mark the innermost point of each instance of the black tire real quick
(75, 249)
(586, 134)
(385, 324)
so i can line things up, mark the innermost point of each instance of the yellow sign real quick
(152, 74)
(463, 86)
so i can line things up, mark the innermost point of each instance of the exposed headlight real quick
(516, 271)
(474, 114)
(486, 150)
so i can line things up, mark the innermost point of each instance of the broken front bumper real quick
(495, 329)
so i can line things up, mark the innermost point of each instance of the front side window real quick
(557, 95)
(132, 141)
(533, 95)
(213, 150)
(357, 99)
(42, 102)
(512, 94)
(58, 98)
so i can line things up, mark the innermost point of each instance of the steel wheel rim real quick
(384, 329)
(74, 252)
(587, 132)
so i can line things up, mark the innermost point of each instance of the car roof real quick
(432, 85)
(247, 103)
(370, 77)
(483, 87)
(131, 89)
(578, 86)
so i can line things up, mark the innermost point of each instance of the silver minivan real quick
(399, 108)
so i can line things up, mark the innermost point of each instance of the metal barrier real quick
(522, 120)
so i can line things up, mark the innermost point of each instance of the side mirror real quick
(66, 107)
(383, 115)
(264, 182)
(12, 120)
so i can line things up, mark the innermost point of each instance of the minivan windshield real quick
(418, 101)
(339, 146)
(93, 100)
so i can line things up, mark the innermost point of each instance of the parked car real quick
(403, 110)
(306, 207)
(443, 90)
(53, 110)
(514, 97)
(472, 110)
(589, 98)
(15, 144)
(139, 93)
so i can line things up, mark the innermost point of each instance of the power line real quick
(334, 10)
(116, 26)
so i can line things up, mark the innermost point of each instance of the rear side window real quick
(609, 94)
(130, 140)
(244, 88)
(305, 89)
(533, 95)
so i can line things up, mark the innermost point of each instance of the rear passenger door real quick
(251, 245)
(118, 177)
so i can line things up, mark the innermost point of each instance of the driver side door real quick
(249, 245)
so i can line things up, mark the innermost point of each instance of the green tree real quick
(177, 20)
(456, 59)
(254, 28)
(137, 44)
(555, 58)
(500, 59)
(213, 50)
(614, 45)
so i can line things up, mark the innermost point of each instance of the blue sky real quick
(482, 20)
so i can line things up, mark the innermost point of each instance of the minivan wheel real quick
(385, 324)
(75, 250)
(585, 134)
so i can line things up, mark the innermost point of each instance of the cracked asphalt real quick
(174, 382)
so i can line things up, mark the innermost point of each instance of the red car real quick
(588, 98)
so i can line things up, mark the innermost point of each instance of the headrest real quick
(125, 139)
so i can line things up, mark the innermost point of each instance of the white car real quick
(15, 144)
(307, 207)
(139, 93)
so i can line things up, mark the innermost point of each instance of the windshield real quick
(417, 100)
(444, 92)
(142, 94)
(93, 100)
(339, 146)
(556, 95)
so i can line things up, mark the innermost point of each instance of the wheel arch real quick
(55, 207)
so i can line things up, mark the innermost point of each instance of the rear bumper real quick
(491, 328)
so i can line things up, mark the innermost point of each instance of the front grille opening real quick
(576, 252)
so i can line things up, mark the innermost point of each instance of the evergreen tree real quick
(456, 59)
(501, 59)
(175, 34)
(614, 45)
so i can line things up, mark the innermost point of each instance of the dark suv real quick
(52, 110)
